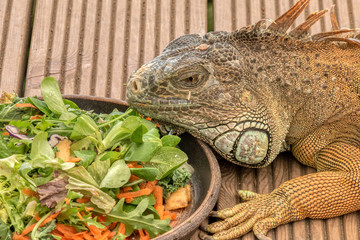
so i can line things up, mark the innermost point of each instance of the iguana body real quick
(256, 92)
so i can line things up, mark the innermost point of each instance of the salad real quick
(67, 173)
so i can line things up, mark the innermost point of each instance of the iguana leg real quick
(331, 192)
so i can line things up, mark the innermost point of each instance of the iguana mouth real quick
(164, 107)
(161, 117)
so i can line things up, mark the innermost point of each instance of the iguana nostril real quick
(135, 86)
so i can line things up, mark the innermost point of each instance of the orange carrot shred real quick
(65, 229)
(127, 189)
(28, 192)
(37, 218)
(112, 225)
(83, 200)
(148, 118)
(20, 237)
(67, 201)
(25, 105)
(35, 117)
(89, 209)
(141, 192)
(144, 235)
(47, 220)
(160, 210)
(133, 178)
(5, 134)
(129, 200)
(79, 216)
(158, 194)
(95, 231)
(75, 160)
(122, 229)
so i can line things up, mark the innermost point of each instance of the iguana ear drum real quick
(252, 147)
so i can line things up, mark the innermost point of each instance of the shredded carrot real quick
(67, 201)
(57, 233)
(168, 214)
(122, 229)
(151, 184)
(105, 235)
(95, 231)
(144, 235)
(79, 216)
(6, 134)
(142, 185)
(35, 117)
(129, 200)
(47, 220)
(136, 164)
(112, 234)
(83, 200)
(160, 210)
(75, 160)
(89, 209)
(37, 218)
(89, 237)
(101, 218)
(127, 189)
(158, 194)
(20, 237)
(148, 118)
(133, 178)
(141, 192)
(20, 105)
(130, 165)
(28, 192)
(66, 230)
(112, 225)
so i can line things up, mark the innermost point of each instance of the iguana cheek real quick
(252, 147)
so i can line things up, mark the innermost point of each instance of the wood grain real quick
(15, 27)
(92, 47)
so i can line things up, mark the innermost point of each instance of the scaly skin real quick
(255, 92)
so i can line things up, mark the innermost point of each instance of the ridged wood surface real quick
(230, 15)
(15, 19)
(92, 46)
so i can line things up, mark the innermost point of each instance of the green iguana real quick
(255, 92)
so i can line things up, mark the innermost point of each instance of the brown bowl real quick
(205, 181)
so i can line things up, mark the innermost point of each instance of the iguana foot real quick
(260, 214)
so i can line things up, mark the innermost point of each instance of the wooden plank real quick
(93, 46)
(230, 15)
(39, 47)
(15, 24)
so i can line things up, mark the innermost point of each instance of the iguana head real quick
(226, 88)
(200, 85)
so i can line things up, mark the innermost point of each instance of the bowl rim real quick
(211, 197)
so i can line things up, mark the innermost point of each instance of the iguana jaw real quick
(243, 142)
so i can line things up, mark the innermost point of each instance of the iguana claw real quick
(259, 214)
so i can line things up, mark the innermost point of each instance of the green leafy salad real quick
(67, 173)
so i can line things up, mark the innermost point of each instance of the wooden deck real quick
(92, 46)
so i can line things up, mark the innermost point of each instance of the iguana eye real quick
(190, 82)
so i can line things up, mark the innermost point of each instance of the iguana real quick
(258, 91)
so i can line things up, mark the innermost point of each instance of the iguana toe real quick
(260, 214)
